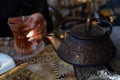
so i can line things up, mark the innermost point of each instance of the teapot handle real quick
(102, 22)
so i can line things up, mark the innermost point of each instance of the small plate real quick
(6, 63)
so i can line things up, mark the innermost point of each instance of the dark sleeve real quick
(29, 7)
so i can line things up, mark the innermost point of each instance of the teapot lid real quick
(85, 31)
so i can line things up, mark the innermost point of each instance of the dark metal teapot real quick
(87, 43)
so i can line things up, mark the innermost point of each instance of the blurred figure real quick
(111, 10)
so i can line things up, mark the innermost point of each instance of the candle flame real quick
(30, 34)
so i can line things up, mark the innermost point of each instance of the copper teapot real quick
(87, 43)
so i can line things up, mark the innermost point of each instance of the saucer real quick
(6, 63)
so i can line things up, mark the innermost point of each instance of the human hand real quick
(37, 26)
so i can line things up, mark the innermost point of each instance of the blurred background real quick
(65, 9)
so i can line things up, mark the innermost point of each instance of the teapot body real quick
(87, 44)
(85, 52)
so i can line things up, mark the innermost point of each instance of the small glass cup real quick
(22, 46)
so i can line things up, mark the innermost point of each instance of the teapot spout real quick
(55, 41)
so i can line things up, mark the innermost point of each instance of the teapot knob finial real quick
(88, 27)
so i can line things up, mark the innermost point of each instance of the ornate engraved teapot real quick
(87, 43)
